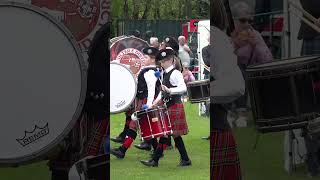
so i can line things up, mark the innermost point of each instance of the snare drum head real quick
(43, 83)
(123, 87)
(128, 51)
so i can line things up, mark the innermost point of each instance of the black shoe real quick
(117, 139)
(150, 163)
(169, 147)
(185, 163)
(116, 152)
(206, 138)
(143, 146)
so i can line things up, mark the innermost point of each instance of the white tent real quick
(203, 41)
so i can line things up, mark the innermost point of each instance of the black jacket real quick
(206, 58)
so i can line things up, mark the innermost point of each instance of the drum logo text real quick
(132, 57)
(121, 103)
(35, 134)
(155, 119)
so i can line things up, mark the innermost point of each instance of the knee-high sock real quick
(169, 141)
(154, 143)
(162, 145)
(182, 150)
(131, 136)
(126, 127)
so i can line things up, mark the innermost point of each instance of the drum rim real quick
(151, 110)
(254, 68)
(127, 37)
(41, 153)
(135, 89)
(199, 81)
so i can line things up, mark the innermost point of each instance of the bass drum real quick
(128, 51)
(43, 83)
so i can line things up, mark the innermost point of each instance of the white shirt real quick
(176, 79)
(183, 54)
(151, 81)
(229, 83)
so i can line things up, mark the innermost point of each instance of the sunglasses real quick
(244, 20)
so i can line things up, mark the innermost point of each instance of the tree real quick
(160, 9)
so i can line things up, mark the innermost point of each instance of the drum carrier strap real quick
(142, 91)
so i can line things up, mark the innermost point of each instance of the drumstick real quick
(158, 75)
(307, 21)
(304, 12)
(204, 65)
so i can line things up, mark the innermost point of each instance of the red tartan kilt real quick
(137, 107)
(178, 120)
(225, 164)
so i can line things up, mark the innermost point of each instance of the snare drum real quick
(285, 94)
(43, 83)
(123, 87)
(154, 123)
(199, 91)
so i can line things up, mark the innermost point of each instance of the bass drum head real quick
(43, 83)
(123, 87)
(128, 51)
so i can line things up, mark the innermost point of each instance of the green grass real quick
(267, 161)
(264, 163)
(36, 171)
(198, 151)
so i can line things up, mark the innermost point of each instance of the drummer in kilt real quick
(173, 87)
(148, 90)
(226, 85)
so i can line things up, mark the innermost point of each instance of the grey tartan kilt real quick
(311, 46)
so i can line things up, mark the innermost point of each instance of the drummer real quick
(173, 87)
(148, 90)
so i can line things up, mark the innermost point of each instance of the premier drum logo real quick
(132, 57)
(34, 135)
(82, 17)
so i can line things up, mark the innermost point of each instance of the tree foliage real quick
(160, 9)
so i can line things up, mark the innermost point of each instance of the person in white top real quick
(148, 89)
(184, 50)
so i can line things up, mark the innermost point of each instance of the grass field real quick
(198, 151)
(267, 161)
(264, 163)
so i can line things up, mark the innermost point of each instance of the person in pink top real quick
(249, 48)
(187, 74)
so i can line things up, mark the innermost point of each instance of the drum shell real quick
(154, 123)
(284, 97)
(199, 91)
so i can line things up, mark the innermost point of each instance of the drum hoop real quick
(128, 37)
(199, 82)
(135, 88)
(151, 110)
(38, 155)
(287, 65)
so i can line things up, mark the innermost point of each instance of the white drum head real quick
(123, 87)
(43, 83)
